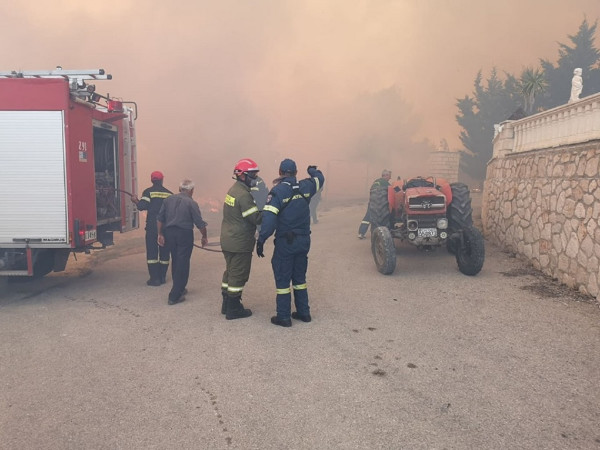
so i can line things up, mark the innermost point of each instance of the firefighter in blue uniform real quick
(259, 193)
(287, 214)
(151, 201)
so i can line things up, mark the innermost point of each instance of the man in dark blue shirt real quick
(287, 214)
(175, 222)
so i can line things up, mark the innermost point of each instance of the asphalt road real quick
(425, 358)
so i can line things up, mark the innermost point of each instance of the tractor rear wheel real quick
(460, 212)
(470, 254)
(379, 208)
(384, 251)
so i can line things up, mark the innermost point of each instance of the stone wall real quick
(444, 164)
(545, 205)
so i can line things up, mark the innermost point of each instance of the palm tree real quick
(530, 85)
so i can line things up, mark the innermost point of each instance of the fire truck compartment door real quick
(33, 199)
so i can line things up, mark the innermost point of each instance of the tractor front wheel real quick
(470, 253)
(384, 251)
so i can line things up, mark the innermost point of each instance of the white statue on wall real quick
(444, 146)
(576, 85)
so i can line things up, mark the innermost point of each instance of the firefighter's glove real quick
(309, 168)
(259, 249)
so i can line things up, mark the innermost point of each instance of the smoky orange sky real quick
(314, 80)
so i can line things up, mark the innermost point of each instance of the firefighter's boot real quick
(164, 268)
(225, 301)
(275, 320)
(235, 309)
(363, 228)
(153, 270)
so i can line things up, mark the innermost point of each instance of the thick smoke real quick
(351, 86)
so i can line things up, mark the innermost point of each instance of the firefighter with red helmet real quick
(151, 201)
(240, 218)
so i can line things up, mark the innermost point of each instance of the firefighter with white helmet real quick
(240, 218)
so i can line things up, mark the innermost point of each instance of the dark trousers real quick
(237, 272)
(290, 262)
(364, 225)
(180, 244)
(156, 256)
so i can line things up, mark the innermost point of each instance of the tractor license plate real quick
(427, 232)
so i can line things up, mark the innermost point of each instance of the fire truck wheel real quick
(43, 264)
(460, 212)
(471, 254)
(384, 251)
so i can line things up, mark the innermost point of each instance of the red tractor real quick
(428, 213)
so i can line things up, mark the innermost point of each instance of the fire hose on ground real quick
(195, 245)
(208, 249)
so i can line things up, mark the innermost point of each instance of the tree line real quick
(536, 89)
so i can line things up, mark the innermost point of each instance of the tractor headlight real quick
(412, 236)
(443, 235)
(442, 223)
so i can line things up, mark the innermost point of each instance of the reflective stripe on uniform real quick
(271, 208)
(284, 291)
(159, 194)
(224, 285)
(145, 198)
(318, 184)
(250, 211)
(229, 200)
(299, 287)
(366, 222)
(153, 261)
(235, 290)
(164, 262)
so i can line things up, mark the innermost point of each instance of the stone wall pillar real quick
(504, 139)
(444, 164)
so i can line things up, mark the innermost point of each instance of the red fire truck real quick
(67, 168)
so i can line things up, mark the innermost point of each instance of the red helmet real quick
(244, 166)
(156, 176)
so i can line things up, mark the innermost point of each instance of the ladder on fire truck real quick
(94, 74)
(77, 85)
